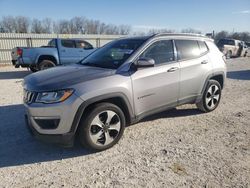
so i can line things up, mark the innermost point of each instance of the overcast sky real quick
(203, 15)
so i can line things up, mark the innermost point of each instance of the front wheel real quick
(211, 97)
(102, 127)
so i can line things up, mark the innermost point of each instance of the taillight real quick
(19, 52)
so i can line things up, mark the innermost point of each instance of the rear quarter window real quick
(187, 49)
(203, 47)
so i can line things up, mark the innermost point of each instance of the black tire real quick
(89, 130)
(33, 68)
(211, 97)
(45, 64)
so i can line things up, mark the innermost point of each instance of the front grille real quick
(28, 97)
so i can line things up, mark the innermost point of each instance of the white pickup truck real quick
(232, 48)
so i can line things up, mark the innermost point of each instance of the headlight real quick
(53, 97)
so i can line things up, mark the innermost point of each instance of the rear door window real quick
(68, 43)
(203, 47)
(161, 52)
(187, 49)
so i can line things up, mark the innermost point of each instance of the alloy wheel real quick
(212, 96)
(105, 127)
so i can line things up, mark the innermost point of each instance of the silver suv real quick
(121, 83)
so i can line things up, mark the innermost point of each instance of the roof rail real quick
(180, 34)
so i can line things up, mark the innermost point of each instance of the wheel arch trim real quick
(87, 103)
(218, 73)
(47, 57)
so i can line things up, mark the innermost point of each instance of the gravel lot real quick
(177, 148)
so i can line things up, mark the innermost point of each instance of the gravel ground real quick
(178, 148)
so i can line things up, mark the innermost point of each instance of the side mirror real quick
(145, 62)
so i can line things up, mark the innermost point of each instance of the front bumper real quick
(66, 140)
(55, 123)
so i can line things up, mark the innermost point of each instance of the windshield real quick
(114, 54)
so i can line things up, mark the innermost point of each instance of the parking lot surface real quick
(178, 148)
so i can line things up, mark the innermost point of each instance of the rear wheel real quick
(211, 97)
(102, 127)
(33, 68)
(46, 64)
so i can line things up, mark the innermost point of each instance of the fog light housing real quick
(47, 123)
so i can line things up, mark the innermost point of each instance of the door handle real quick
(63, 50)
(172, 69)
(204, 62)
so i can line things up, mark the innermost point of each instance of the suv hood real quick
(63, 77)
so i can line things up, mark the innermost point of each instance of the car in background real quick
(57, 52)
(248, 44)
(232, 48)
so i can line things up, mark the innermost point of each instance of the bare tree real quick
(91, 26)
(82, 25)
(245, 36)
(1, 27)
(191, 30)
(47, 25)
(154, 31)
(220, 35)
(36, 26)
(77, 25)
(102, 28)
(22, 24)
(9, 24)
(63, 27)
(124, 29)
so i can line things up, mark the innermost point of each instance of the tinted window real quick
(83, 44)
(68, 43)
(161, 52)
(225, 42)
(187, 49)
(203, 47)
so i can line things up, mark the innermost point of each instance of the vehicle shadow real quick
(239, 75)
(173, 113)
(14, 74)
(18, 147)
